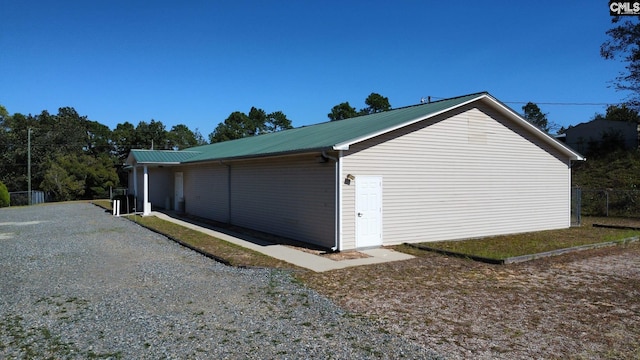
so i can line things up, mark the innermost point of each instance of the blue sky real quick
(195, 62)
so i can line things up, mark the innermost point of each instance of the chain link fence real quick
(113, 192)
(576, 206)
(606, 202)
(21, 198)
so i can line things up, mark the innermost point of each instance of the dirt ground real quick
(584, 305)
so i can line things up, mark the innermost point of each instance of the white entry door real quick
(178, 196)
(368, 211)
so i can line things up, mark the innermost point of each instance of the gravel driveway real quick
(78, 283)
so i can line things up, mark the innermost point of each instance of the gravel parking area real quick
(78, 283)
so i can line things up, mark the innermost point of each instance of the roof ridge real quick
(441, 100)
(324, 135)
(398, 108)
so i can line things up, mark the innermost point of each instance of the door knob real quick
(359, 214)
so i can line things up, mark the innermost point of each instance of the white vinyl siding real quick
(160, 186)
(291, 196)
(466, 174)
(206, 191)
(161, 179)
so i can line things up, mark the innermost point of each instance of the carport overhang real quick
(332, 153)
(146, 205)
(145, 159)
(134, 165)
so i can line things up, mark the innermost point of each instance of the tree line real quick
(73, 157)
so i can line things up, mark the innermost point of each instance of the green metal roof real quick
(337, 135)
(324, 136)
(161, 156)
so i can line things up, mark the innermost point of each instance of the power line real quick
(560, 103)
(548, 103)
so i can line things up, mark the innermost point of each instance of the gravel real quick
(78, 283)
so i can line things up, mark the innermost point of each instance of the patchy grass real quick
(579, 305)
(502, 247)
(232, 253)
(37, 341)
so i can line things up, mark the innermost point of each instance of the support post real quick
(146, 204)
(29, 166)
(135, 184)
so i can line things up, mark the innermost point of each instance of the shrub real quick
(4, 195)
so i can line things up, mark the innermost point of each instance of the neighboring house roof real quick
(338, 135)
(582, 135)
(602, 123)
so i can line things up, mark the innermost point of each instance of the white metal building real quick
(458, 168)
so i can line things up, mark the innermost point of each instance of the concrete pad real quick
(296, 257)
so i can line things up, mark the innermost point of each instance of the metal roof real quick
(160, 156)
(324, 136)
(336, 135)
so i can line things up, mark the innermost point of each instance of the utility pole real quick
(29, 164)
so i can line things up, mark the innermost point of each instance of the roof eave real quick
(156, 163)
(265, 155)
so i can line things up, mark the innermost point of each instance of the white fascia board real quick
(504, 109)
(345, 145)
(573, 155)
(154, 163)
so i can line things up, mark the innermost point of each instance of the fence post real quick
(579, 206)
(576, 206)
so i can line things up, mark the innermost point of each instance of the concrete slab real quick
(296, 257)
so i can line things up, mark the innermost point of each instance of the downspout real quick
(338, 199)
(228, 191)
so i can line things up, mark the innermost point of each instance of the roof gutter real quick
(259, 156)
(157, 163)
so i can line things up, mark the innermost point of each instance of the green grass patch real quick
(38, 342)
(105, 204)
(506, 246)
(234, 254)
